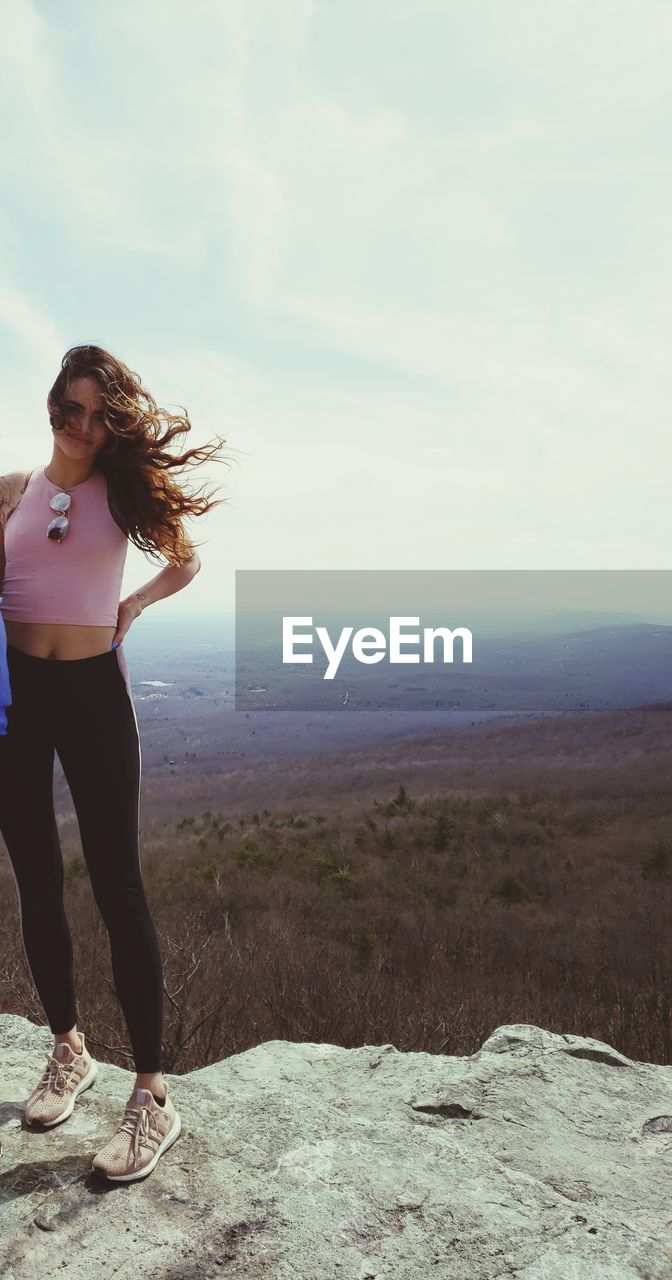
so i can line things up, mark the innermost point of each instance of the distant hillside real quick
(419, 892)
(597, 668)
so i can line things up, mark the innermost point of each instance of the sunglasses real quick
(58, 528)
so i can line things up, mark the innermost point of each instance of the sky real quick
(411, 260)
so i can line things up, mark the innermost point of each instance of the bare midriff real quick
(61, 640)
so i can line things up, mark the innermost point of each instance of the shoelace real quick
(55, 1076)
(137, 1122)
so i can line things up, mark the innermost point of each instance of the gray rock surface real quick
(544, 1157)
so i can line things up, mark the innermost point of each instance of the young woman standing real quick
(64, 533)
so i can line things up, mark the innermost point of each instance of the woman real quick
(65, 529)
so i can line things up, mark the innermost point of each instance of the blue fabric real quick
(5, 690)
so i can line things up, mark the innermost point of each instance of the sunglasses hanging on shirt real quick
(57, 529)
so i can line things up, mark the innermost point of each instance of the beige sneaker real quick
(65, 1076)
(146, 1131)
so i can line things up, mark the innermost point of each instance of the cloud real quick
(400, 255)
(27, 322)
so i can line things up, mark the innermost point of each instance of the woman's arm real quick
(171, 579)
(11, 489)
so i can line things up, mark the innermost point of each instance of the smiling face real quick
(84, 431)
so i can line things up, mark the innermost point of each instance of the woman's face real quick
(84, 432)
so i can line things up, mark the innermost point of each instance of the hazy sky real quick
(411, 259)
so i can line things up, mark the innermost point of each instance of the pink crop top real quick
(77, 580)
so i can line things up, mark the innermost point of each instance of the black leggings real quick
(83, 709)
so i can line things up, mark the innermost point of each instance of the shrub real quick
(509, 889)
(443, 829)
(400, 804)
(344, 880)
(206, 870)
(249, 855)
(656, 862)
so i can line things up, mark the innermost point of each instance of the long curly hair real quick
(145, 498)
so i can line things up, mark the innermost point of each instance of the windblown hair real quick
(145, 498)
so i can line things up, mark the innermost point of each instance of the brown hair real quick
(145, 499)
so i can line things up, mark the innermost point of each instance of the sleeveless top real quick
(77, 580)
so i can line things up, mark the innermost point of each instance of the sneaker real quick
(66, 1075)
(146, 1131)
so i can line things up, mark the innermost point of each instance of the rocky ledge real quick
(541, 1156)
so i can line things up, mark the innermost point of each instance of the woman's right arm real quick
(11, 488)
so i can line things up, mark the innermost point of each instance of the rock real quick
(541, 1156)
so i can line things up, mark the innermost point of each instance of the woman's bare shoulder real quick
(10, 478)
(11, 488)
